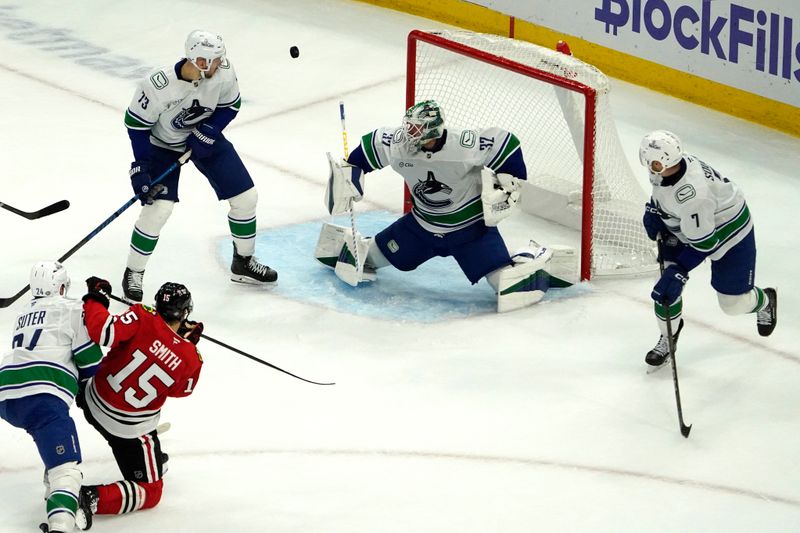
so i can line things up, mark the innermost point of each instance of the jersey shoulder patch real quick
(685, 193)
(159, 80)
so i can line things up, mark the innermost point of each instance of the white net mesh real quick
(550, 123)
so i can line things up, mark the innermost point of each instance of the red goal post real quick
(558, 107)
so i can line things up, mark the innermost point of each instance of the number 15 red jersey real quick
(147, 363)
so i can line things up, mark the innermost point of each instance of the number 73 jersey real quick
(147, 363)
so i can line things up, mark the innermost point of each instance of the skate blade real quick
(654, 369)
(245, 280)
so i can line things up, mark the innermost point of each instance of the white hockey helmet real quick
(47, 278)
(421, 123)
(660, 146)
(204, 44)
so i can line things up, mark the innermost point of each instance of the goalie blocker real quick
(534, 272)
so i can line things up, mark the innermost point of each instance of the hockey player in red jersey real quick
(152, 356)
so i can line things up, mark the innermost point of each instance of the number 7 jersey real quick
(147, 363)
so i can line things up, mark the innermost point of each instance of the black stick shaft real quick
(671, 342)
(240, 352)
(5, 302)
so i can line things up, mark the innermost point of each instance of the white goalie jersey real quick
(706, 210)
(171, 107)
(445, 185)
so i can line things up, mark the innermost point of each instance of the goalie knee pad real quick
(62, 499)
(737, 304)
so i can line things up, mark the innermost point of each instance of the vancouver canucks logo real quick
(189, 118)
(424, 189)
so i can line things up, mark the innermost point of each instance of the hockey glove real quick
(669, 288)
(191, 331)
(499, 196)
(202, 141)
(653, 223)
(142, 182)
(99, 290)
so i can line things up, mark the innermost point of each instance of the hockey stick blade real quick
(685, 430)
(5, 302)
(61, 205)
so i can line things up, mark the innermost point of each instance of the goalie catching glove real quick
(499, 195)
(344, 186)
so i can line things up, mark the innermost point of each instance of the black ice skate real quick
(87, 506)
(132, 285)
(247, 269)
(660, 352)
(767, 319)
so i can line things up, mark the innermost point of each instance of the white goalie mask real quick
(206, 45)
(662, 147)
(421, 123)
(47, 278)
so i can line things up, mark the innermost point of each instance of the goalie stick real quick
(671, 342)
(43, 212)
(236, 350)
(350, 207)
(5, 302)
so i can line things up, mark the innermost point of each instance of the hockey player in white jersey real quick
(39, 378)
(699, 214)
(187, 106)
(462, 184)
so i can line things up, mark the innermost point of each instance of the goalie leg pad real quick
(350, 266)
(563, 266)
(523, 283)
(329, 244)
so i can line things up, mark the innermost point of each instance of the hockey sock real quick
(675, 311)
(761, 300)
(146, 231)
(62, 500)
(128, 496)
(242, 221)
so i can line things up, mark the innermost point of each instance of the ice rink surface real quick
(539, 420)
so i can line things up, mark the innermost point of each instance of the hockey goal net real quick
(558, 107)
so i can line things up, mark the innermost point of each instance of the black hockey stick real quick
(671, 342)
(43, 212)
(237, 350)
(5, 302)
